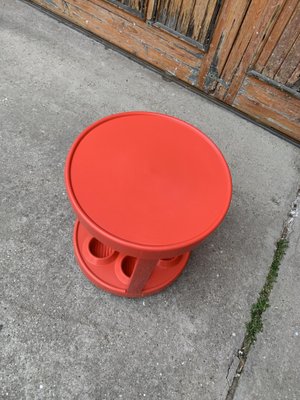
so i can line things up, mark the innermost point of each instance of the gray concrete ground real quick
(62, 338)
(273, 367)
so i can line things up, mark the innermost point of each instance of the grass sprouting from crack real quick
(255, 325)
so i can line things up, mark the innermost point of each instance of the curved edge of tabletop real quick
(122, 244)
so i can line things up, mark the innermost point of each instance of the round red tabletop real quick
(148, 182)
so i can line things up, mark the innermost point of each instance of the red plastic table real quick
(146, 188)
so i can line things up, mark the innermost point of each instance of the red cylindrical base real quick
(122, 274)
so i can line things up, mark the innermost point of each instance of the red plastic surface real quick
(114, 273)
(148, 185)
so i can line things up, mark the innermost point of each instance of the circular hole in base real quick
(127, 265)
(100, 250)
(169, 262)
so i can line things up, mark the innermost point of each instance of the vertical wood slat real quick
(231, 17)
(231, 72)
(150, 5)
(173, 13)
(198, 18)
(162, 11)
(190, 18)
(185, 16)
(274, 37)
(284, 44)
(254, 33)
(206, 22)
(289, 64)
(294, 78)
(136, 5)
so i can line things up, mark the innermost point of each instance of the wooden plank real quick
(124, 30)
(135, 7)
(289, 64)
(269, 106)
(184, 17)
(228, 25)
(151, 4)
(274, 37)
(207, 20)
(254, 33)
(284, 44)
(173, 13)
(197, 18)
(180, 58)
(272, 97)
(162, 11)
(190, 18)
(295, 77)
(291, 90)
(201, 19)
(146, 34)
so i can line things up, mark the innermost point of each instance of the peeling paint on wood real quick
(227, 27)
(289, 64)
(294, 80)
(65, 5)
(52, 3)
(284, 44)
(270, 105)
(191, 19)
(194, 53)
(243, 36)
(194, 76)
(135, 7)
(212, 76)
(254, 32)
(291, 90)
(275, 35)
(207, 20)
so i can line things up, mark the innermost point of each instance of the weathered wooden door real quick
(246, 53)
(261, 74)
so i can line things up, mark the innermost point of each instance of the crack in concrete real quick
(245, 348)
(231, 370)
(293, 214)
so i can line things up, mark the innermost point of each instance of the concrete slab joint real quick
(255, 325)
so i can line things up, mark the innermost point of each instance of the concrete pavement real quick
(61, 337)
(272, 368)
